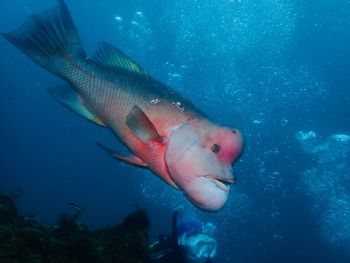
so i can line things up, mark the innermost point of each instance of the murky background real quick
(276, 69)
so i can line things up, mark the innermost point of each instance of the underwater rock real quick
(26, 240)
(127, 242)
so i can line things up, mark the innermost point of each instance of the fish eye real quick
(234, 131)
(215, 148)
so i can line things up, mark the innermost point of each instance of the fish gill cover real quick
(272, 68)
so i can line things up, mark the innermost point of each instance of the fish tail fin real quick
(49, 38)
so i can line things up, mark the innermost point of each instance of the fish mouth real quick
(222, 183)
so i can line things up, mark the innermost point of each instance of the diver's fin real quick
(49, 39)
(69, 98)
(108, 55)
(142, 126)
(131, 159)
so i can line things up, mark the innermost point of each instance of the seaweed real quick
(8, 210)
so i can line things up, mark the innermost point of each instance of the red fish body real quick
(164, 131)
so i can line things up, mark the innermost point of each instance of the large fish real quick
(165, 132)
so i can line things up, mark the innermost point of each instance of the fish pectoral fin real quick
(141, 125)
(131, 159)
(108, 55)
(65, 95)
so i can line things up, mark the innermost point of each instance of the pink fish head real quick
(199, 158)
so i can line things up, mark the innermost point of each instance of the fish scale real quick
(111, 98)
(165, 132)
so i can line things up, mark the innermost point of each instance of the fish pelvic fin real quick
(108, 55)
(49, 38)
(131, 159)
(65, 95)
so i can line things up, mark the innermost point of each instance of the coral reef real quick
(26, 240)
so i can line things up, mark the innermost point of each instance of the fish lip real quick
(220, 182)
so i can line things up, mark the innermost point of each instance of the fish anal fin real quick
(65, 95)
(108, 55)
(141, 125)
(131, 159)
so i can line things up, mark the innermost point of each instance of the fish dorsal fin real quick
(108, 55)
(65, 95)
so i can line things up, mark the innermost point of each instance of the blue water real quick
(275, 69)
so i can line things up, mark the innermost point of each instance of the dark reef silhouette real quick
(24, 239)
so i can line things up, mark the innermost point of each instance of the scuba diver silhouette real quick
(191, 241)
